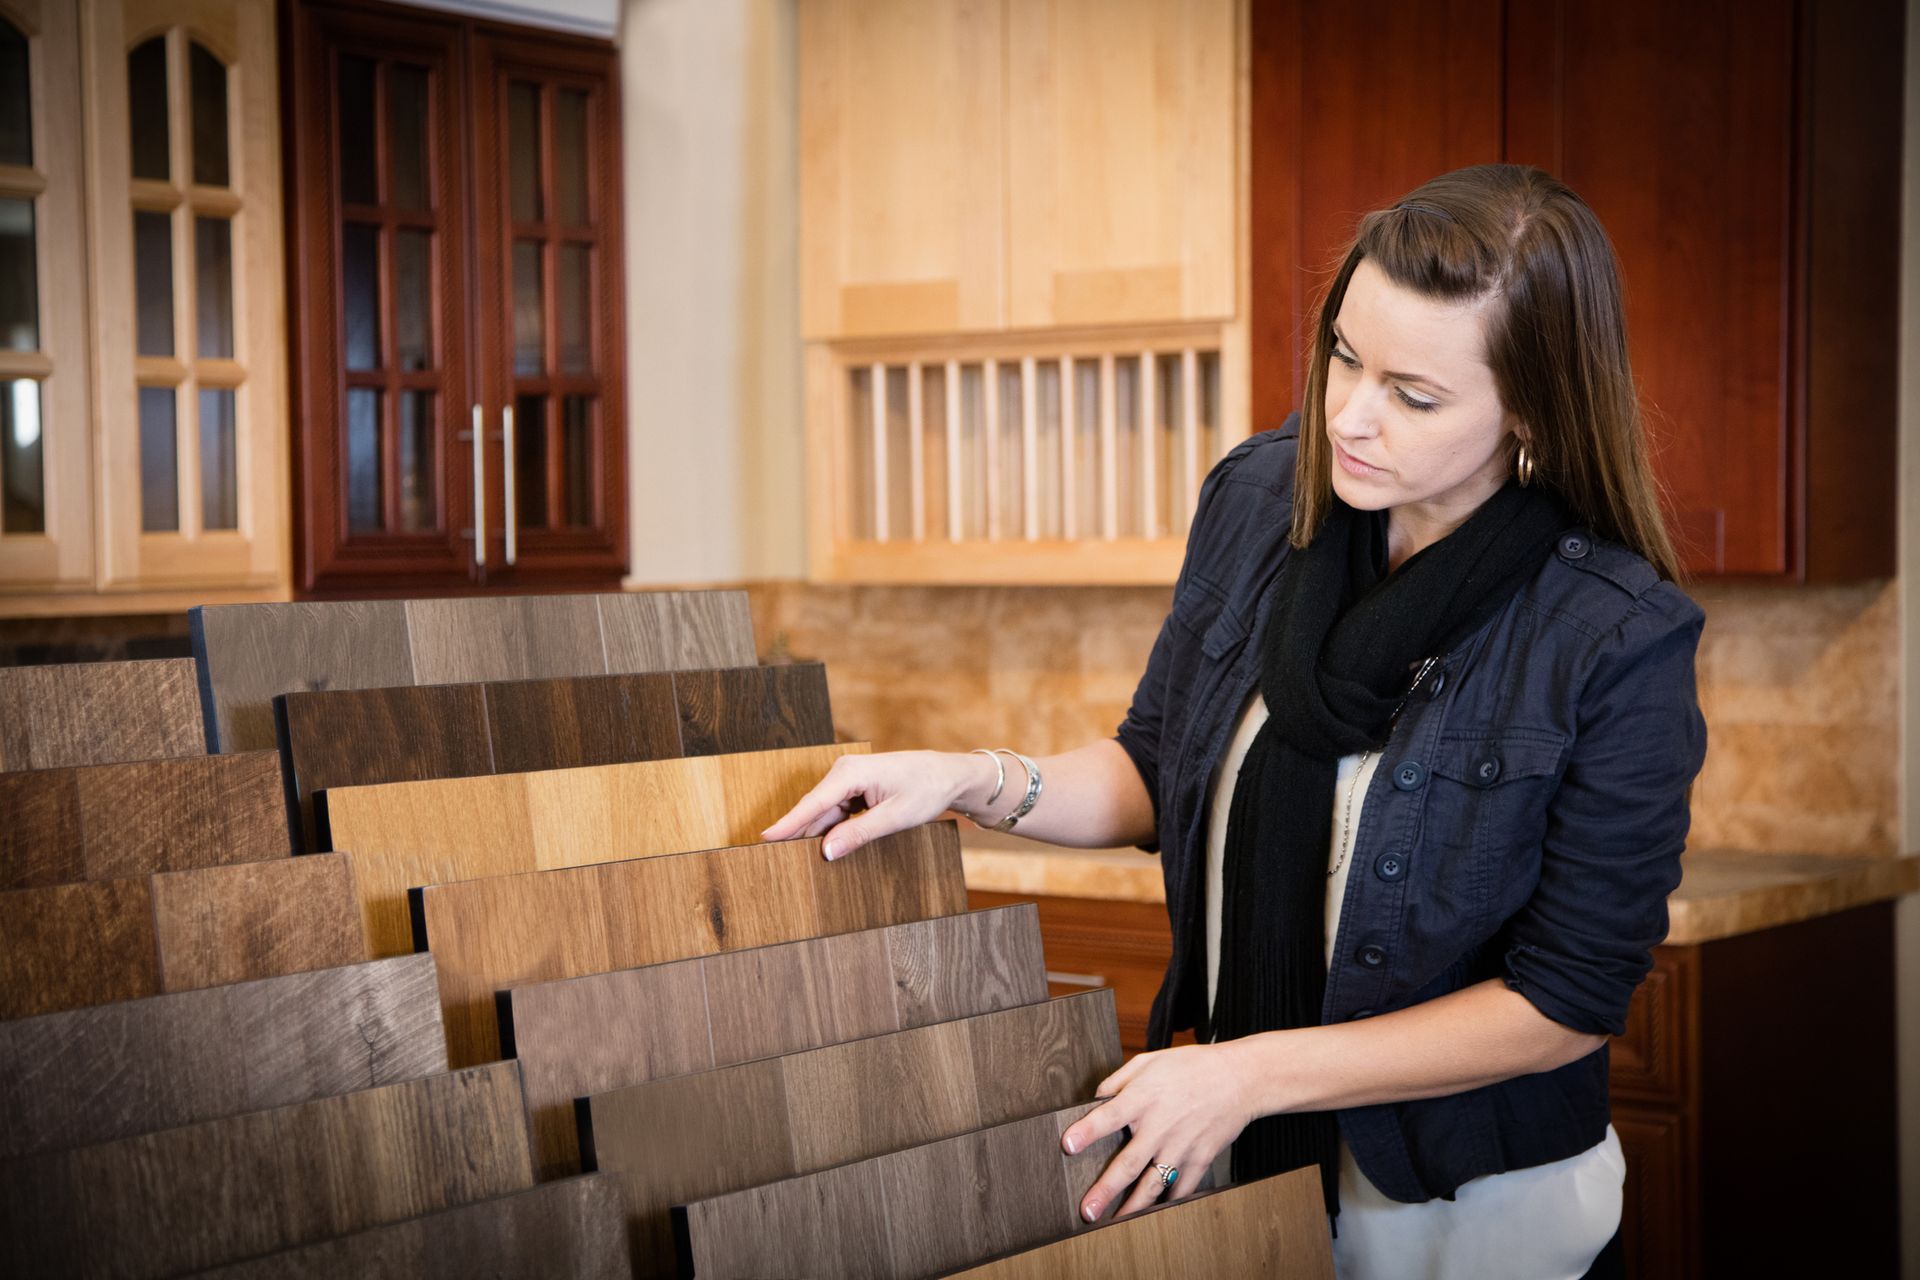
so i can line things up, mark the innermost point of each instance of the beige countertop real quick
(1722, 891)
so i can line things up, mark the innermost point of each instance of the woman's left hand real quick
(1184, 1106)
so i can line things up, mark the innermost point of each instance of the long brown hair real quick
(1556, 337)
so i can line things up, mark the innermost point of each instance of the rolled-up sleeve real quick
(1617, 823)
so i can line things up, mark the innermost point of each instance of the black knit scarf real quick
(1342, 641)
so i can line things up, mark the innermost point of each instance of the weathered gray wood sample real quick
(99, 713)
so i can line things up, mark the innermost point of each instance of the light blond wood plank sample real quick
(605, 1031)
(222, 1190)
(401, 835)
(491, 932)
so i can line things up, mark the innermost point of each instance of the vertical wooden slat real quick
(955, 527)
(1029, 448)
(1146, 418)
(1069, 453)
(879, 449)
(990, 399)
(1109, 453)
(916, 452)
(1190, 461)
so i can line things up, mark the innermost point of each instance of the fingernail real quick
(1090, 1211)
(832, 849)
(1073, 1145)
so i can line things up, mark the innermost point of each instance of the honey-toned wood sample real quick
(605, 1031)
(115, 1070)
(402, 835)
(53, 717)
(573, 1228)
(249, 654)
(218, 1191)
(701, 1135)
(73, 945)
(489, 933)
(99, 822)
(1274, 1227)
(908, 1213)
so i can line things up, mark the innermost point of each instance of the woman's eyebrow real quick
(1399, 377)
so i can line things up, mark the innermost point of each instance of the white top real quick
(1547, 1222)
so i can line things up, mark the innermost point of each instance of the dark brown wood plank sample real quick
(753, 708)
(247, 654)
(487, 934)
(915, 1212)
(605, 1031)
(1274, 1227)
(572, 724)
(116, 1070)
(74, 945)
(52, 717)
(99, 822)
(572, 1228)
(695, 1136)
(222, 1190)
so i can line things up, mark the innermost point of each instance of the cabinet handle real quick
(1092, 981)
(479, 488)
(507, 482)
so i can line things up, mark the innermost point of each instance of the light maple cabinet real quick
(145, 420)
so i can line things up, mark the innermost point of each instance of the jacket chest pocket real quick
(1486, 815)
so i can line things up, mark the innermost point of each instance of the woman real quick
(1415, 745)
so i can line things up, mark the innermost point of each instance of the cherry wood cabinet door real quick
(547, 198)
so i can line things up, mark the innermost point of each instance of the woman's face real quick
(1412, 405)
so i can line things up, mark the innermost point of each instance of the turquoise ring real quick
(1167, 1174)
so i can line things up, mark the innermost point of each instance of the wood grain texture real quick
(98, 822)
(568, 724)
(606, 1031)
(52, 717)
(489, 933)
(117, 1070)
(753, 708)
(402, 835)
(504, 637)
(676, 630)
(222, 1190)
(71, 946)
(570, 1228)
(916, 1212)
(702, 1135)
(1275, 1227)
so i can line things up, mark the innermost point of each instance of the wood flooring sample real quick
(249, 654)
(572, 1228)
(605, 1031)
(116, 1070)
(359, 737)
(74, 945)
(52, 717)
(98, 822)
(402, 835)
(222, 1190)
(694, 1136)
(916, 1212)
(1275, 1227)
(487, 934)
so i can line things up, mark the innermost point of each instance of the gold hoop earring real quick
(1523, 466)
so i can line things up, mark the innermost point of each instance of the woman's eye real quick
(1424, 406)
(1345, 359)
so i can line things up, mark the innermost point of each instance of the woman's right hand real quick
(901, 789)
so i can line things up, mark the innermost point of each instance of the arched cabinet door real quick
(188, 321)
(46, 535)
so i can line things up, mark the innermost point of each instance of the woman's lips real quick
(1353, 465)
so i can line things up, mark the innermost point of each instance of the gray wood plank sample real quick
(99, 713)
(572, 1228)
(605, 1031)
(701, 1135)
(909, 1213)
(97, 822)
(248, 655)
(205, 1194)
(116, 1070)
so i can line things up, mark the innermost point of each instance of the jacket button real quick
(1372, 956)
(1388, 866)
(1487, 770)
(1439, 683)
(1573, 546)
(1409, 774)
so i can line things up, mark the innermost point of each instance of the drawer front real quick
(1649, 1060)
(1657, 1216)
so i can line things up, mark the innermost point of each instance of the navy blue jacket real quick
(1526, 820)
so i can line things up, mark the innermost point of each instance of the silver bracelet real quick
(1026, 804)
(998, 783)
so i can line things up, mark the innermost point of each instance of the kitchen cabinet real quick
(460, 418)
(1745, 161)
